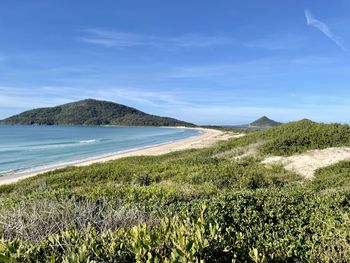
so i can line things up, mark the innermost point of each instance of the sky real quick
(207, 62)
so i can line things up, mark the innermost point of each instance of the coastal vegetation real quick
(91, 112)
(218, 204)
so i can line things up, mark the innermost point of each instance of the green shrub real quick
(304, 135)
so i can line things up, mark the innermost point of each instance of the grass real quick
(188, 206)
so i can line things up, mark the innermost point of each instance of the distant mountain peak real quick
(264, 118)
(264, 122)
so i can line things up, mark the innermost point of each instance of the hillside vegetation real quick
(190, 206)
(304, 135)
(91, 112)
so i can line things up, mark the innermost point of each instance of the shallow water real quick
(31, 148)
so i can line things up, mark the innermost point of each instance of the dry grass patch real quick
(35, 221)
(240, 152)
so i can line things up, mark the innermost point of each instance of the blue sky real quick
(208, 62)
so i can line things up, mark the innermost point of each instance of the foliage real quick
(293, 138)
(334, 176)
(304, 135)
(244, 226)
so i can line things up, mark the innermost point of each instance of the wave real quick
(88, 141)
(49, 144)
(57, 145)
(5, 172)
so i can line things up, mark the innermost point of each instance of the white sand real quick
(205, 139)
(307, 163)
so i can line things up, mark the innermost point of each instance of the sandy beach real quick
(205, 139)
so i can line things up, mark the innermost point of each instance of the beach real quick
(206, 138)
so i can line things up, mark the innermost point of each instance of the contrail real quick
(312, 21)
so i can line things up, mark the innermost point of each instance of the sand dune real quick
(307, 163)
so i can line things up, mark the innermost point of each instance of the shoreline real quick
(206, 138)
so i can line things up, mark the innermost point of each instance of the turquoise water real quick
(31, 148)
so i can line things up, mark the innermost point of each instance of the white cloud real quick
(146, 97)
(211, 109)
(47, 96)
(235, 115)
(277, 42)
(312, 21)
(11, 97)
(108, 38)
(250, 69)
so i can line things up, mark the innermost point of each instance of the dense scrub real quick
(189, 206)
(247, 226)
(335, 176)
(295, 137)
(304, 135)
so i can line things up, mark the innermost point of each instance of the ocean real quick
(34, 148)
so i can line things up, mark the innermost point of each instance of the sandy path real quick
(205, 139)
(307, 163)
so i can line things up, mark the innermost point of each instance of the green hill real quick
(91, 112)
(264, 122)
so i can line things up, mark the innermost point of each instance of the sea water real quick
(31, 148)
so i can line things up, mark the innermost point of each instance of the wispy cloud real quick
(46, 96)
(108, 38)
(148, 97)
(255, 69)
(277, 42)
(312, 21)
(23, 98)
